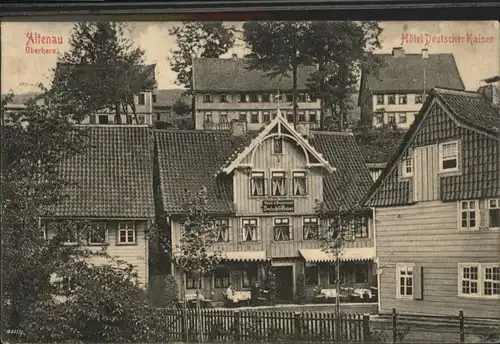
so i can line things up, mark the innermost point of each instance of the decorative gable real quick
(276, 130)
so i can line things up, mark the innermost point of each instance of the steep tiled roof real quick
(113, 178)
(216, 74)
(190, 159)
(406, 73)
(436, 123)
(471, 107)
(169, 97)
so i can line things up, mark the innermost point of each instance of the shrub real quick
(163, 291)
(301, 288)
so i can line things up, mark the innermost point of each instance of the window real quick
(299, 183)
(208, 117)
(302, 117)
(278, 145)
(223, 98)
(311, 274)
(332, 275)
(405, 281)
(258, 184)
(302, 98)
(126, 233)
(142, 99)
(222, 228)
(391, 119)
(402, 99)
(266, 98)
(494, 213)
(407, 167)
(310, 228)
(68, 284)
(103, 119)
(448, 156)
(242, 98)
(402, 118)
(312, 98)
(92, 119)
(255, 117)
(207, 98)
(278, 184)
(469, 212)
(154, 98)
(379, 118)
(71, 236)
(223, 117)
(282, 230)
(250, 230)
(43, 234)
(221, 277)
(191, 283)
(312, 117)
(479, 280)
(243, 116)
(265, 117)
(391, 99)
(98, 233)
(254, 98)
(418, 99)
(141, 119)
(359, 227)
(361, 273)
(380, 99)
(289, 117)
(491, 281)
(289, 97)
(274, 114)
(248, 276)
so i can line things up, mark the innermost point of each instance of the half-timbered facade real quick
(110, 187)
(263, 188)
(437, 211)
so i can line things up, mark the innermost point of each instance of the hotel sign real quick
(278, 206)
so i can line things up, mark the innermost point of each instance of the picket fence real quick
(254, 325)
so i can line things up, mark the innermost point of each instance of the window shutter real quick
(291, 231)
(257, 233)
(418, 282)
(483, 214)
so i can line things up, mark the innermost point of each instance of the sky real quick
(22, 69)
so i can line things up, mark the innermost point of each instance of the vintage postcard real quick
(259, 181)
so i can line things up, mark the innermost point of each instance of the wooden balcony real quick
(216, 126)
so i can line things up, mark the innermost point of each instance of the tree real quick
(101, 71)
(102, 304)
(341, 50)
(198, 39)
(341, 229)
(278, 48)
(195, 253)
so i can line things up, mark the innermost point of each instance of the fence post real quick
(462, 333)
(184, 327)
(297, 325)
(366, 327)
(236, 326)
(394, 326)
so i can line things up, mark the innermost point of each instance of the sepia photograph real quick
(255, 181)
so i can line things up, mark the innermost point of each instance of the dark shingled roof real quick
(406, 73)
(113, 178)
(169, 97)
(230, 75)
(480, 146)
(189, 159)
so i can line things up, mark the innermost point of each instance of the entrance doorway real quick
(284, 283)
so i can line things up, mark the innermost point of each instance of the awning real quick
(317, 255)
(246, 256)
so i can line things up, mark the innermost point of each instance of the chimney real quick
(234, 57)
(398, 52)
(491, 93)
(238, 128)
(303, 128)
(425, 53)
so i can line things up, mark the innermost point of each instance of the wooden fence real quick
(271, 326)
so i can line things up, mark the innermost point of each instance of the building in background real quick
(437, 211)
(163, 102)
(490, 89)
(396, 94)
(226, 90)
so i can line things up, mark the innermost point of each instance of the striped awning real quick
(246, 256)
(317, 255)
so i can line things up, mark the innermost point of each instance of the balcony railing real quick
(217, 126)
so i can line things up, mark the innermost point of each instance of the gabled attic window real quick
(278, 145)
